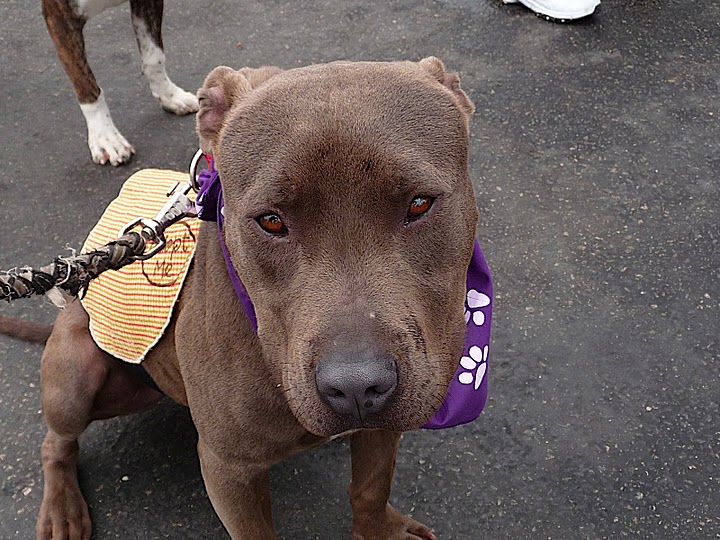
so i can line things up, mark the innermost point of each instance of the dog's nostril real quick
(356, 387)
(374, 391)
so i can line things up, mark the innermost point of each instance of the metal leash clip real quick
(194, 169)
(178, 207)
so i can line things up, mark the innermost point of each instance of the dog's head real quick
(350, 218)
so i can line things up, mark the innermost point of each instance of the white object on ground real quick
(562, 10)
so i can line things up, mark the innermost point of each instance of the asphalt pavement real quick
(596, 160)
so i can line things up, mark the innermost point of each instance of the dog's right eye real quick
(273, 224)
(419, 206)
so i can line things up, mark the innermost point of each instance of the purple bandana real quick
(467, 393)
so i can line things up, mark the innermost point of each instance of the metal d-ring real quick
(193, 169)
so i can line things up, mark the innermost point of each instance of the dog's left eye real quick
(419, 206)
(273, 224)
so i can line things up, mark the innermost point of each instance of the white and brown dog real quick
(65, 20)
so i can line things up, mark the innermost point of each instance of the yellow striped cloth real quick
(130, 308)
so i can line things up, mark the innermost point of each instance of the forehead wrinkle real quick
(270, 191)
(422, 177)
(303, 175)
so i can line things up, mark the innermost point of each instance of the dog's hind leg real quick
(66, 30)
(147, 22)
(80, 383)
(373, 465)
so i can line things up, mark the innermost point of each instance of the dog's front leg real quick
(373, 465)
(147, 23)
(240, 495)
(106, 143)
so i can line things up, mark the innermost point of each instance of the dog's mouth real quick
(328, 423)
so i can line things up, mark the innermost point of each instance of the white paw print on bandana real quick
(475, 301)
(476, 360)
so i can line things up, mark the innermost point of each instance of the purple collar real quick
(467, 393)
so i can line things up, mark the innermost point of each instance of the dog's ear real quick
(223, 88)
(435, 68)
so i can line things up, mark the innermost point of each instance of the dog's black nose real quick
(356, 386)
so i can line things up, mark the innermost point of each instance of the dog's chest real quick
(90, 8)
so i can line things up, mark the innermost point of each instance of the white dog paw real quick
(109, 146)
(177, 101)
(106, 143)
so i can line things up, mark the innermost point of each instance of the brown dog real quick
(65, 20)
(350, 218)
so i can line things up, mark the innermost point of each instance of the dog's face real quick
(350, 219)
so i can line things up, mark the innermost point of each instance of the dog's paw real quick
(176, 100)
(391, 525)
(106, 143)
(63, 514)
